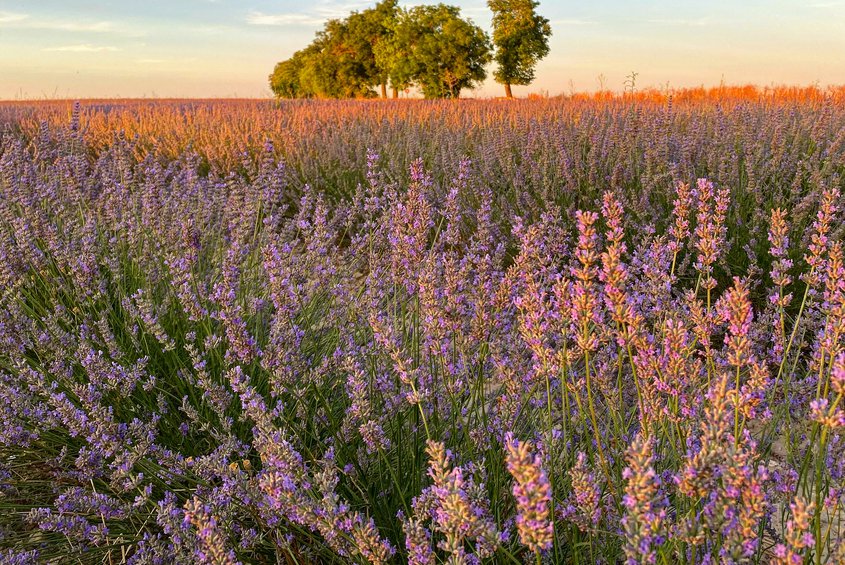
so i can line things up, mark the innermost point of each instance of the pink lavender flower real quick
(645, 504)
(837, 374)
(614, 272)
(680, 213)
(735, 310)
(455, 503)
(830, 341)
(779, 297)
(213, 548)
(584, 505)
(585, 311)
(533, 494)
(710, 229)
(820, 238)
(779, 239)
(799, 535)
(417, 541)
(411, 221)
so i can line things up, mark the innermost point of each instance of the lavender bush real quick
(543, 332)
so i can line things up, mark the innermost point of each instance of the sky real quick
(223, 48)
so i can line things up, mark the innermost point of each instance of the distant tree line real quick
(430, 47)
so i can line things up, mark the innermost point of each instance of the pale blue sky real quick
(157, 48)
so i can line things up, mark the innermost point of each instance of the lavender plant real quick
(552, 332)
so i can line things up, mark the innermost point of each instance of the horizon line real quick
(540, 93)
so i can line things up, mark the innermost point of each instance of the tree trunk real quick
(395, 92)
(383, 90)
(508, 92)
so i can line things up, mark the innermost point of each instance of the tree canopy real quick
(445, 53)
(340, 62)
(430, 47)
(521, 37)
(285, 81)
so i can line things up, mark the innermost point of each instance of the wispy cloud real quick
(12, 17)
(25, 21)
(316, 13)
(698, 22)
(262, 19)
(83, 48)
(334, 9)
(98, 27)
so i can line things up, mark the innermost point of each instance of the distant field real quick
(582, 329)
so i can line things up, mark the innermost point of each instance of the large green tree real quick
(521, 37)
(341, 61)
(428, 46)
(285, 81)
(334, 66)
(392, 53)
(439, 51)
(366, 32)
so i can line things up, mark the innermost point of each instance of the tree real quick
(521, 37)
(340, 62)
(439, 51)
(428, 46)
(332, 66)
(367, 31)
(392, 53)
(320, 70)
(285, 81)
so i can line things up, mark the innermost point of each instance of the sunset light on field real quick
(499, 282)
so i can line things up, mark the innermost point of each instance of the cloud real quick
(83, 48)
(333, 9)
(700, 22)
(97, 27)
(11, 17)
(319, 12)
(262, 19)
(25, 21)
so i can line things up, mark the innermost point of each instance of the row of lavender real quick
(602, 357)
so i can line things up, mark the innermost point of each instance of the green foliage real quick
(368, 30)
(392, 53)
(444, 53)
(335, 66)
(285, 81)
(340, 62)
(428, 46)
(521, 37)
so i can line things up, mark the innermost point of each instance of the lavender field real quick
(540, 331)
